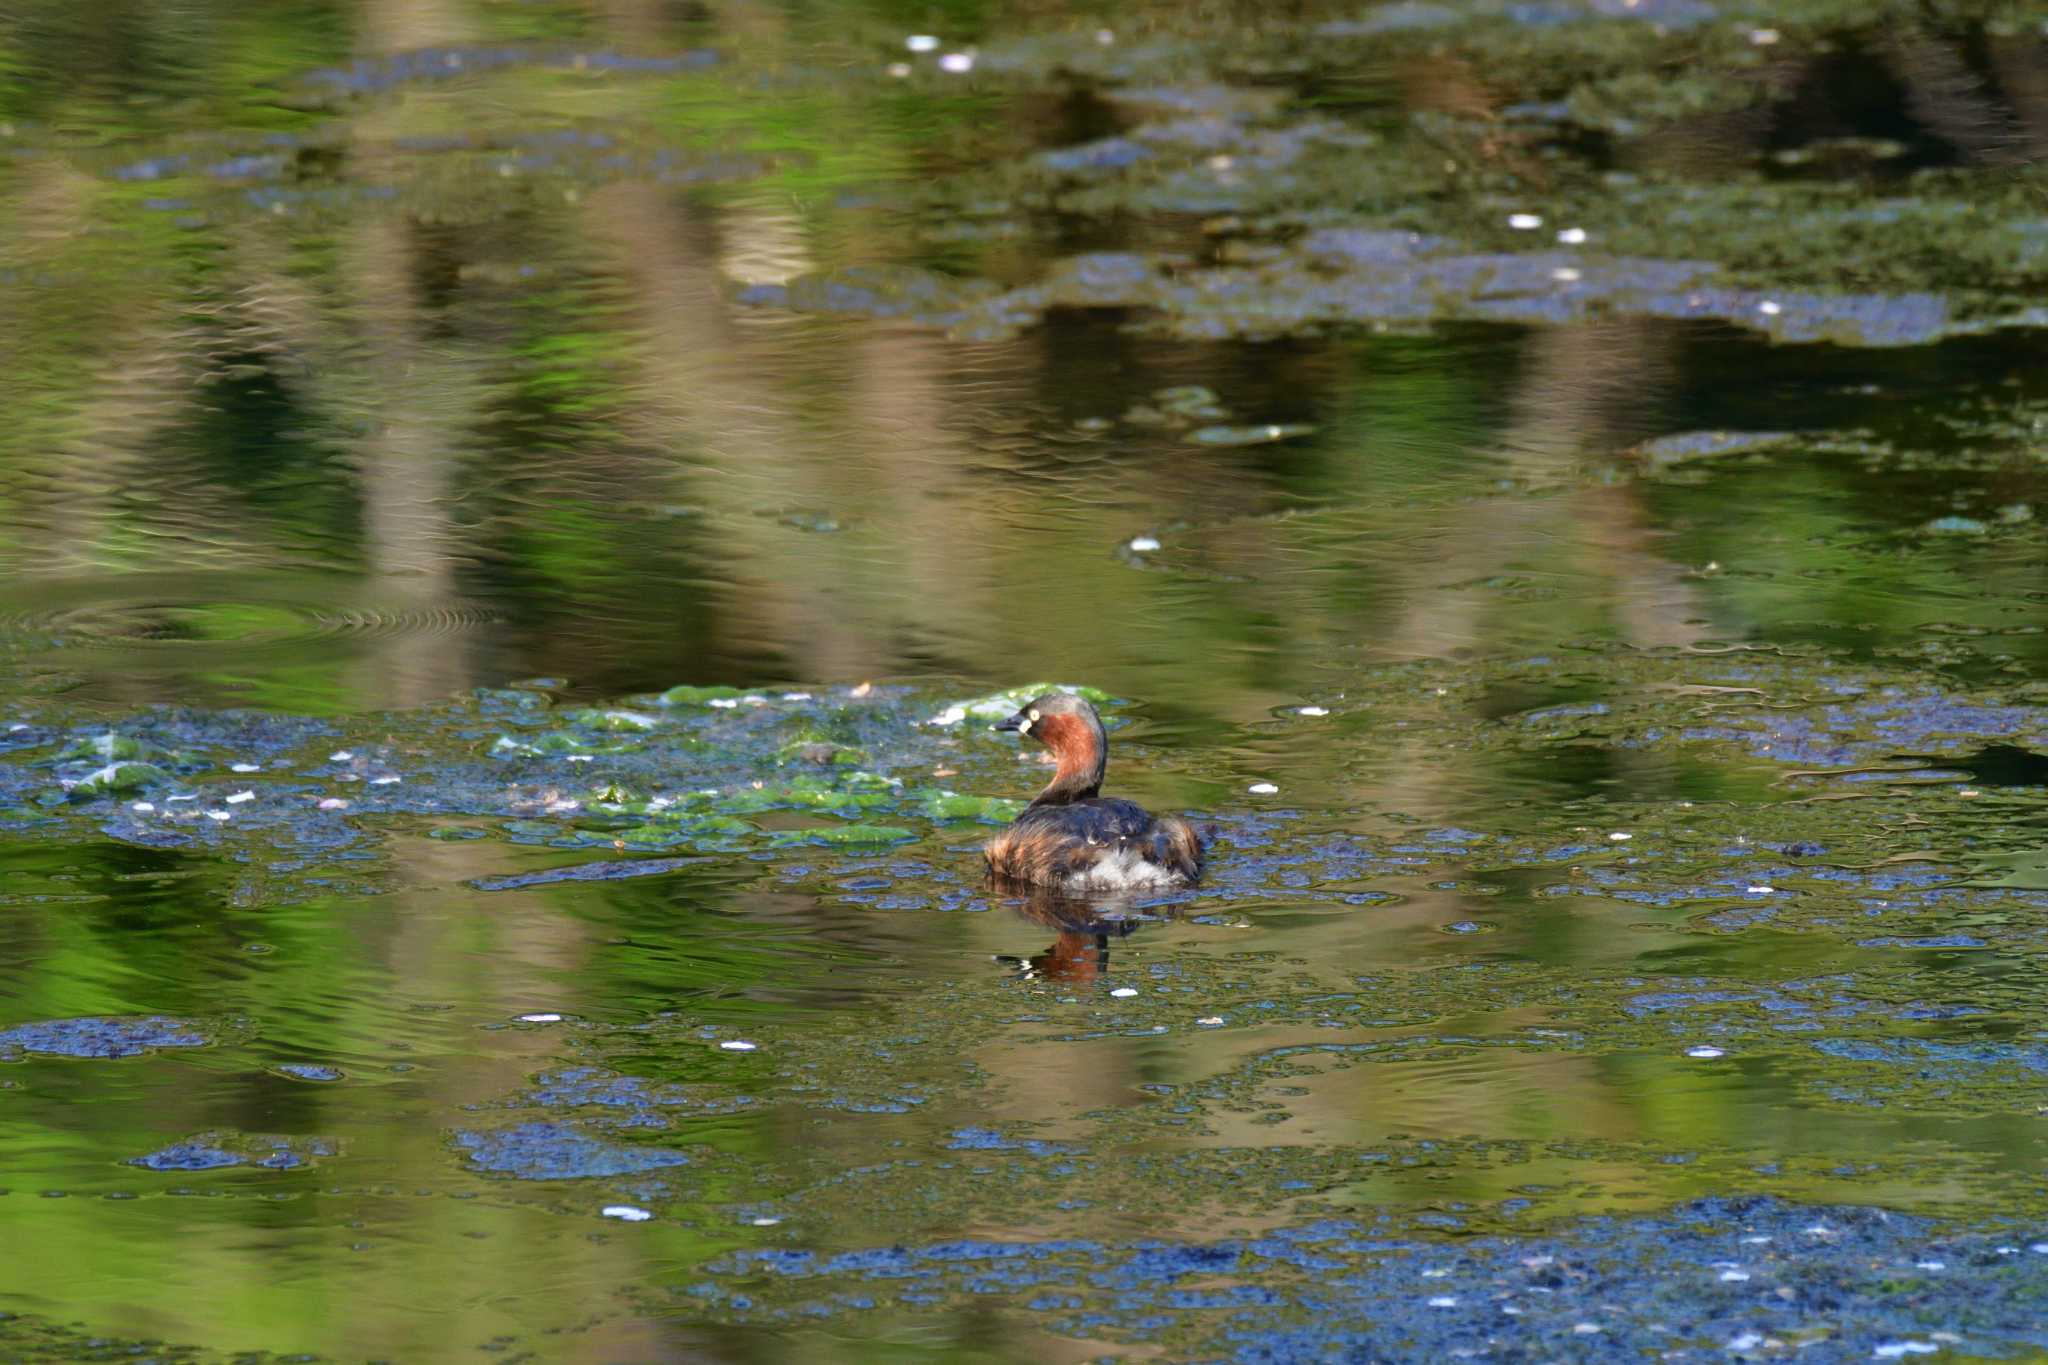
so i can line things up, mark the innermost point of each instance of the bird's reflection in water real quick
(1082, 928)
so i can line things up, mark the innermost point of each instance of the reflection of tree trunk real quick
(1946, 95)
(77, 467)
(2023, 74)
(405, 25)
(1586, 391)
(836, 604)
(405, 465)
(405, 470)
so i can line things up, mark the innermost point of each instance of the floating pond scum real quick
(517, 521)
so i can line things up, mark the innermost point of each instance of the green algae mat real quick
(517, 517)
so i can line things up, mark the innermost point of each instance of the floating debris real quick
(1265, 434)
(1262, 789)
(627, 1213)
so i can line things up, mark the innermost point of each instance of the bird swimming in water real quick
(1072, 839)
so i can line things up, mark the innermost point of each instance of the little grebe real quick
(1073, 840)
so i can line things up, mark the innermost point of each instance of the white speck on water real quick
(1757, 1241)
(766, 1222)
(1763, 37)
(1435, 1273)
(1930, 1265)
(1525, 222)
(1587, 1329)
(626, 1213)
(726, 703)
(1734, 1276)
(1572, 236)
(1620, 837)
(1211, 1021)
(1748, 1341)
(1564, 274)
(1894, 1350)
(340, 756)
(582, 758)
(1705, 1051)
(959, 63)
(1760, 890)
(1511, 1310)
(738, 1045)
(220, 815)
(1967, 791)
(142, 808)
(333, 803)
(1262, 789)
(921, 42)
(1143, 545)
(899, 69)
(245, 767)
(1538, 1262)
(2039, 1248)
(239, 797)
(17, 727)
(540, 1019)
(385, 781)
(796, 696)
(1124, 992)
(1819, 1230)
(1770, 308)
(1443, 1301)
(182, 796)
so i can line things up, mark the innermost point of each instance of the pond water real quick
(516, 516)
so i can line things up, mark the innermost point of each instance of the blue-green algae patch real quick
(101, 1037)
(1553, 489)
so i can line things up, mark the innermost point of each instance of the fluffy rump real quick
(1097, 845)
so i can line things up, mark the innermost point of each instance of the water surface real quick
(508, 510)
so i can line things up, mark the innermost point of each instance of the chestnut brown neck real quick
(1083, 753)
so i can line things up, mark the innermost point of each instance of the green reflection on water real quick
(337, 402)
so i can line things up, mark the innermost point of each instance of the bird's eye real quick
(1036, 717)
